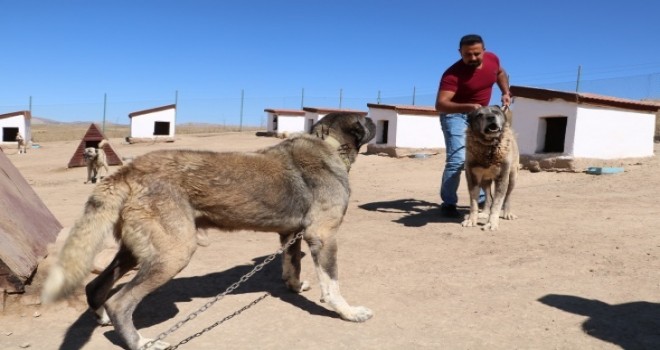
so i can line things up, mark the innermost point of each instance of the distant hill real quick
(40, 121)
(46, 121)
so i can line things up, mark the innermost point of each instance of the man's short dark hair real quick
(470, 39)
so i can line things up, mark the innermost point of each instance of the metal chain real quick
(218, 297)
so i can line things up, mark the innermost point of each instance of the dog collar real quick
(339, 147)
(332, 141)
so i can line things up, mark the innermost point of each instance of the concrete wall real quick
(286, 123)
(407, 130)
(591, 131)
(142, 126)
(608, 134)
(529, 127)
(18, 121)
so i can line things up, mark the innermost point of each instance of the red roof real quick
(332, 110)
(152, 110)
(407, 109)
(27, 115)
(584, 98)
(285, 111)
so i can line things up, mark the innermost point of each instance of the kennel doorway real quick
(382, 130)
(161, 128)
(94, 144)
(553, 134)
(9, 134)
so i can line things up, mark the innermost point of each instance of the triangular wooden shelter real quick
(26, 228)
(92, 138)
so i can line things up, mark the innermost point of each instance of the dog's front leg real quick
(501, 187)
(323, 247)
(89, 174)
(473, 181)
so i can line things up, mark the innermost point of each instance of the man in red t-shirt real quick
(465, 86)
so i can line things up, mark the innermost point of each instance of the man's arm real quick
(503, 84)
(444, 104)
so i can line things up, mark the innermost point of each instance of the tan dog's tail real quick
(102, 144)
(86, 238)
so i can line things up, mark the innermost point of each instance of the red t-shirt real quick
(472, 85)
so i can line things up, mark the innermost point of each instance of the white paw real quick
(305, 286)
(358, 314)
(102, 317)
(154, 345)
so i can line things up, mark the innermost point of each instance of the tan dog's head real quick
(19, 138)
(89, 154)
(487, 123)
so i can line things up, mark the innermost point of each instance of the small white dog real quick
(95, 159)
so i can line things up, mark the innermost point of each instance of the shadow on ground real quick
(414, 212)
(631, 326)
(160, 306)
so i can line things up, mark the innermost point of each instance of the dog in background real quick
(491, 157)
(95, 159)
(22, 144)
(155, 205)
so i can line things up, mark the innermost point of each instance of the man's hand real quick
(506, 99)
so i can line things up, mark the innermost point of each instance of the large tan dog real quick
(155, 204)
(95, 159)
(491, 156)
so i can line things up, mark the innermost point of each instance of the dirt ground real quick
(577, 270)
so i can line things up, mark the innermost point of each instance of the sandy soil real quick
(577, 270)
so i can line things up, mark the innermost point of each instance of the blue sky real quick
(67, 55)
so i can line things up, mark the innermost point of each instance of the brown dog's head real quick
(349, 128)
(487, 123)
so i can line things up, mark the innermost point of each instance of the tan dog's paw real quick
(471, 221)
(492, 225)
(358, 314)
(509, 216)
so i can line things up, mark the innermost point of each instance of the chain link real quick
(218, 297)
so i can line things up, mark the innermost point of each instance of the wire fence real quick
(246, 110)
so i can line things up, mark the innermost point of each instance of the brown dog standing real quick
(155, 205)
(491, 157)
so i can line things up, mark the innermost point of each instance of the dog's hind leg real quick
(159, 230)
(291, 264)
(323, 246)
(98, 289)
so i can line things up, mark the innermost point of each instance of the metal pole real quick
(577, 84)
(240, 127)
(30, 106)
(378, 99)
(105, 104)
(341, 92)
(414, 92)
(176, 104)
(302, 99)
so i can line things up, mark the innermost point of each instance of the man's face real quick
(473, 54)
